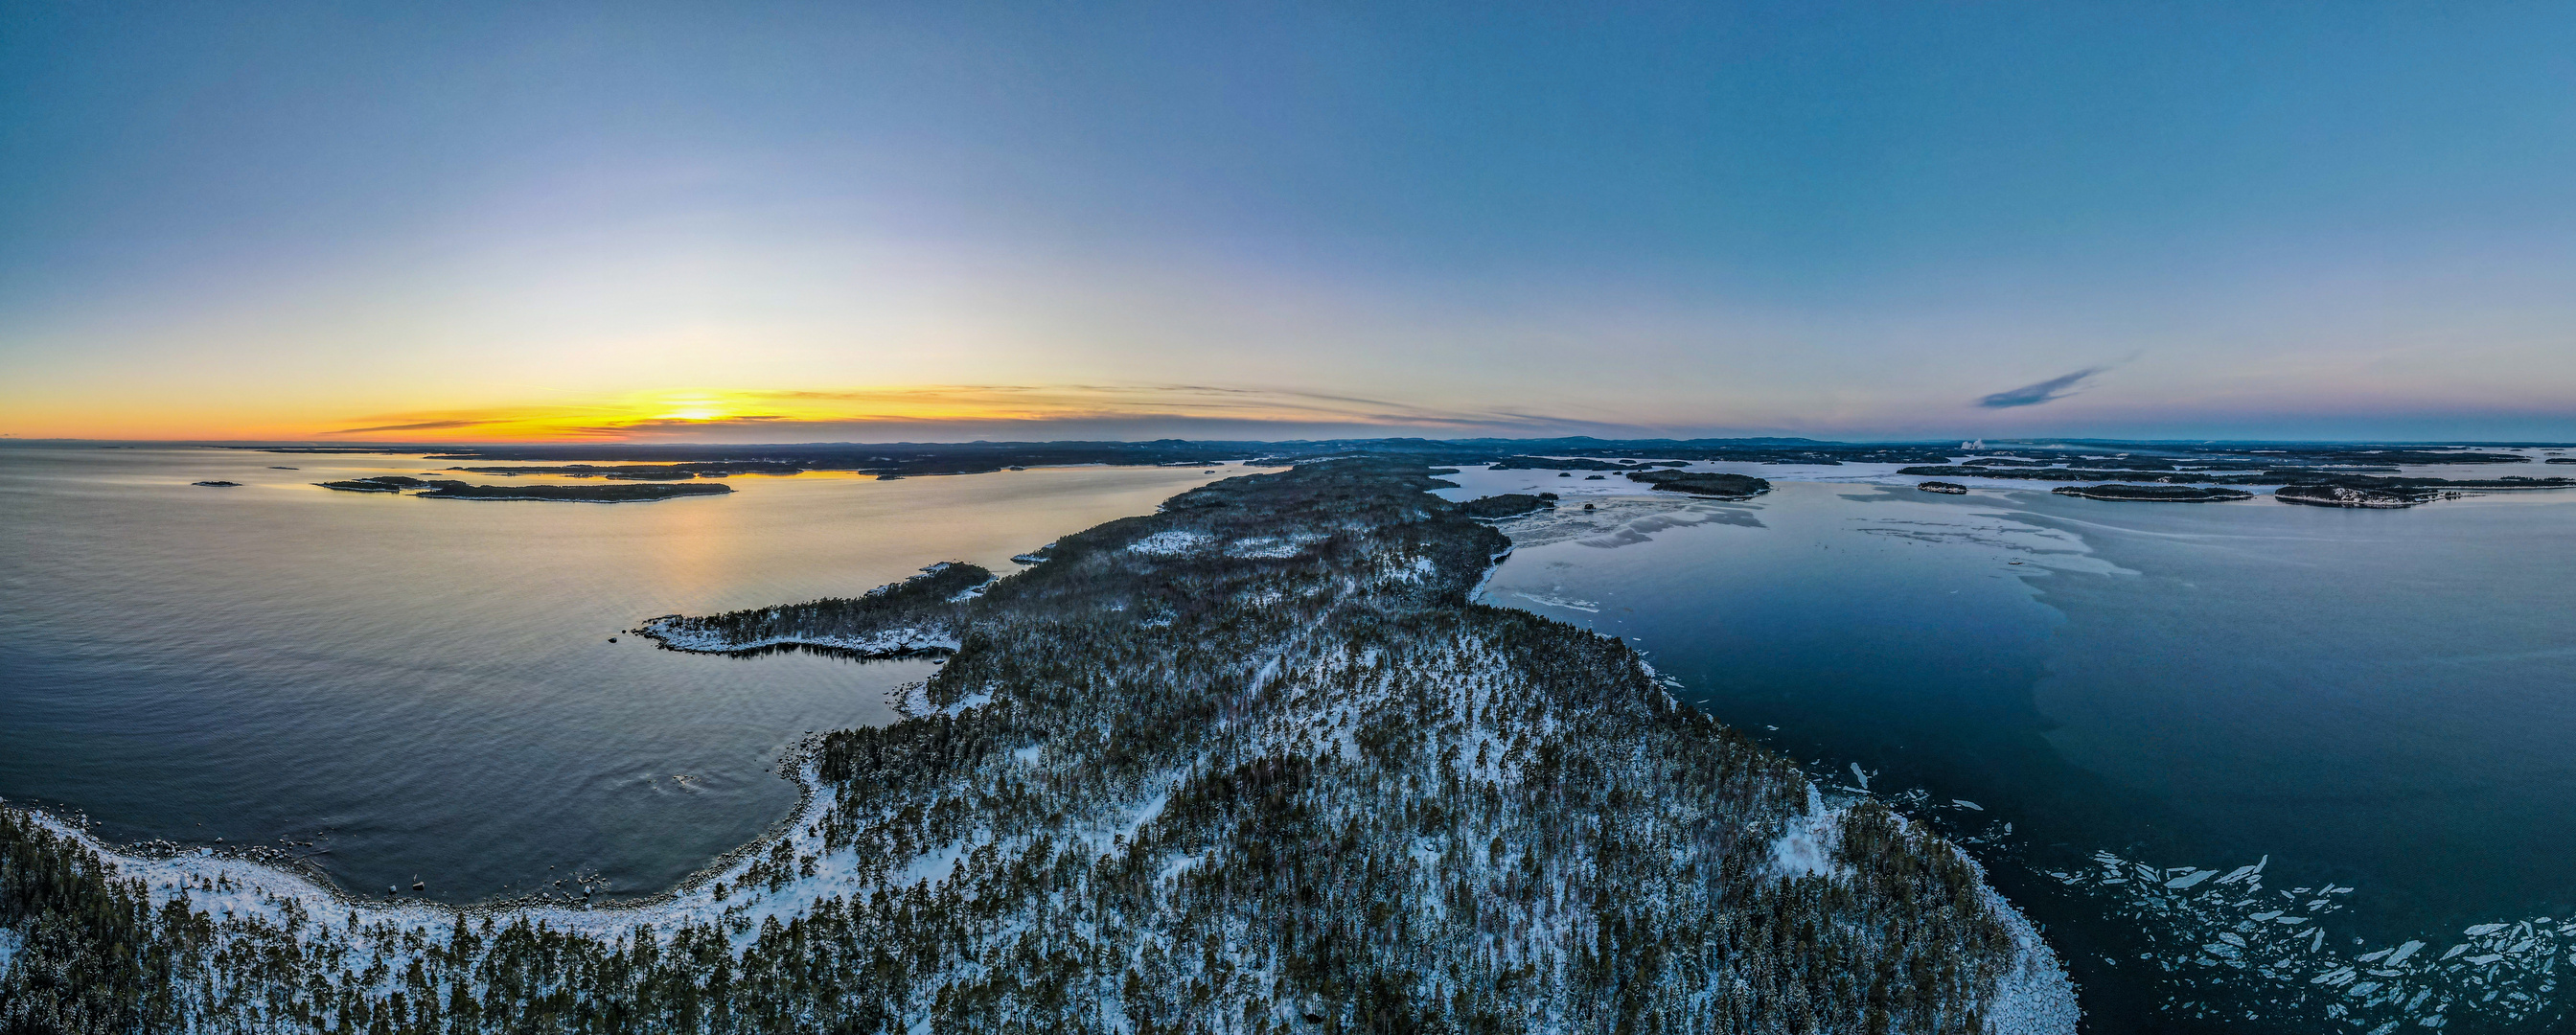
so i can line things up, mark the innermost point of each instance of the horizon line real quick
(485, 444)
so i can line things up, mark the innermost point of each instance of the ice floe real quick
(2231, 950)
(1568, 603)
(2190, 879)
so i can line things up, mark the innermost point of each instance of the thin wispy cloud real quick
(427, 425)
(2038, 392)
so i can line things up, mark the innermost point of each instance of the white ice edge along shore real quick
(670, 631)
(2034, 997)
(233, 888)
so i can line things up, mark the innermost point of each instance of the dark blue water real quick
(2376, 701)
(400, 687)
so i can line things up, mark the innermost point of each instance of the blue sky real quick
(850, 222)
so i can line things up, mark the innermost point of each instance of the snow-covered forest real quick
(1254, 763)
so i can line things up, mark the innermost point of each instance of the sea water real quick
(2186, 738)
(405, 689)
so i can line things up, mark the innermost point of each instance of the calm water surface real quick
(2378, 700)
(426, 687)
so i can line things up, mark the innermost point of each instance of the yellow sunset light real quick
(691, 407)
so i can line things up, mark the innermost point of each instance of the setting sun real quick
(693, 411)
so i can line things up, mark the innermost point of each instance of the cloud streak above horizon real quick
(2038, 392)
(426, 425)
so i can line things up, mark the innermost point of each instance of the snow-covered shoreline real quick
(2036, 997)
(234, 887)
(669, 631)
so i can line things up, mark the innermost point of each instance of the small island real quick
(2154, 493)
(1511, 504)
(452, 490)
(2350, 496)
(1699, 483)
(645, 472)
(384, 483)
(1949, 488)
(218, 485)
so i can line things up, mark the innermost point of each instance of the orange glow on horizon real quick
(676, 413)
(681, 414)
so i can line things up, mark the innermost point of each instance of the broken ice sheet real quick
(2231, 950)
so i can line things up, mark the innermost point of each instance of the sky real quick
(956, 220)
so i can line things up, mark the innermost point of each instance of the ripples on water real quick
(402, 688)
(2237, 757)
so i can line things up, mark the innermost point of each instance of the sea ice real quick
(2188, 880)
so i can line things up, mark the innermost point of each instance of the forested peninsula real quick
(455, 490)
(1253, 763)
